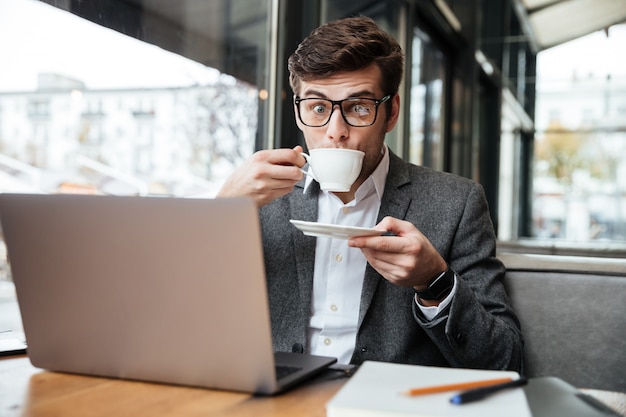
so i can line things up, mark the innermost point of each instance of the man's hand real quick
(266, 175)
(407, 259)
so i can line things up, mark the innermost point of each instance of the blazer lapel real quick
(305, 204)
(394, 203)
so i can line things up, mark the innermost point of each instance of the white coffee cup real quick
(335, 169)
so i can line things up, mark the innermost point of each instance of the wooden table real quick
(29, 391)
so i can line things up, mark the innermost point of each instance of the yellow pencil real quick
(455, 387)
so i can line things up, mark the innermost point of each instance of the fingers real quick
(395, 268)
(406, 259)
(389, 242)
(266, 175)
(281, 157)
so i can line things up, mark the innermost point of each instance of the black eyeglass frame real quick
(377, 102)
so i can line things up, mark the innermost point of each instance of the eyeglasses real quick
(357, 112)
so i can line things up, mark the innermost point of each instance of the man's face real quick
(363, 83)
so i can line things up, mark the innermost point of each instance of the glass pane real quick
(580, 150)
(87, 109)
(426, 109)
(84, 108)
(417, 109)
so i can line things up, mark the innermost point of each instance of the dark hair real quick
(343, 45)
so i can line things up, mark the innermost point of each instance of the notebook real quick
(167, 290)
(378, 389)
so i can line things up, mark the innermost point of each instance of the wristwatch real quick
(439, 287)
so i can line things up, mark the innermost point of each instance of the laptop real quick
(167, 290)
(550, 396)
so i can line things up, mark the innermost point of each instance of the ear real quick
(395, 113)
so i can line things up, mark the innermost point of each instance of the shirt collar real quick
(380, 173)
(379, 176)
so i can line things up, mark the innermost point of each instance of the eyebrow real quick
(361, 93)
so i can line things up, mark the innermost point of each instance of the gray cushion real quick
(574, 324)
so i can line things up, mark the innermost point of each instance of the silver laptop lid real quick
(158, 289)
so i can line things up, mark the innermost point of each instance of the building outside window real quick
(579, 193)
(110, 114)
(88, 109)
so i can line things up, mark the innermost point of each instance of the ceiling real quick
(551, 22)
(554, 22)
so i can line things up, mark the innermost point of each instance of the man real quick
(429, 292)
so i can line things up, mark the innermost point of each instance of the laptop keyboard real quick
(285, 370)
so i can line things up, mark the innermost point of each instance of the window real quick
(579, 192)
(109, 113)
(427, 100)
(85, 108)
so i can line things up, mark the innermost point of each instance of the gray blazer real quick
(477, 330)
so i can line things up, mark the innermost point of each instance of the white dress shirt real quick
(339, 269)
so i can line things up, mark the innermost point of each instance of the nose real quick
(337, 128)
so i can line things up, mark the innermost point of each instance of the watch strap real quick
(439, 287)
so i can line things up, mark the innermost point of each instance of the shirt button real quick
(346, 210)
(338, 257)
(334, 307)
(327, 341)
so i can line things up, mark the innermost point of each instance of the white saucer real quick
(334, 230)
